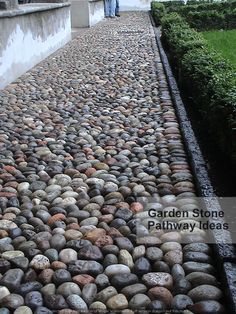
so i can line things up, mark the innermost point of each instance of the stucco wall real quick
(96, 9)
(86, 13)
(132, 5)
(29, 35)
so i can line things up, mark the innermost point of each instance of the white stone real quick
(116, 269)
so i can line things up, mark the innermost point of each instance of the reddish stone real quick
(161, 294)
(6, 177)
(3, 234)
(90, 171)
(73, 226)
(58, 265)
(82, 280)
(114, 233)
(104, 240)
(110, 161)
(122, 205)
(10, 169)
(7, 194)
(12, 184)
(106, 218)
(108, 209)
(46, 276)
(56, 217)
(95, 234)
(136, 207)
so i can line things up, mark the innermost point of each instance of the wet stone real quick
(75, 302)
(12, 279)
(122, 280)
(12, 301)
(210, 307)
(205, 292)
(181, 302)
(55, 302)
(141, 266)
(33, 299)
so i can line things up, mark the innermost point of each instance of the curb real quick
(225, 253)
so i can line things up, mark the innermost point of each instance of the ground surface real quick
(224, 42)
(83, 136)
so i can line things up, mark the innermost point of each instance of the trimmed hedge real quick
(158, 11)
(202, 16)
(206, 77)
(206, 20)
(230, 18)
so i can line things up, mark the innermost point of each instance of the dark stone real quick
(42, 310)
(30, 275)
(90, 252)
(110, 259)
(55, 302)
(34, 299)
(16, 232)
(141, 266)
(77, 244)
(60, 276)
(180, 302)
(12, 279)
(20, 262)
(182, 286)
(110, 249)
(157, 306)
(161, 266)
(122, 280)
(124, 243)
(207, 307)
(4, 266)
(124, 213)
(102, 281)
(197, 257)
(28, 287)
(190, 267)
(12, 301)
(117, 223)
(92, 268)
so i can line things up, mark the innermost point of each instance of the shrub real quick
(230, 18)
(206, 77)
(158, 11)
(179, 37)
(206, 20)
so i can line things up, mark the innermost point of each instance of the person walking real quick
(117, 11)
(110, 8)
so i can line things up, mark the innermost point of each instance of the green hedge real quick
(206, 20)
(205, 77)
(202, 16)
(230, 18)
(158, 11)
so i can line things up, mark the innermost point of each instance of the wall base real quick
(29, 35)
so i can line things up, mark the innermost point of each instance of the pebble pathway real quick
(83, 136)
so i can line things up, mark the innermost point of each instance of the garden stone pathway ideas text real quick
(83, 135)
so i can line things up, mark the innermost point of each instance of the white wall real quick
(133, 5)
(26, 39)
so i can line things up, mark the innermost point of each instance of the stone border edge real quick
(225, 253)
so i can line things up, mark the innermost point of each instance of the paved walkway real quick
(82, 136)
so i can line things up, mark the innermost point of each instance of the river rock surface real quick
(89, 139)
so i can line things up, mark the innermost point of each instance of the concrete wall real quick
(86, 13)
(29, 35)
(133, 5)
